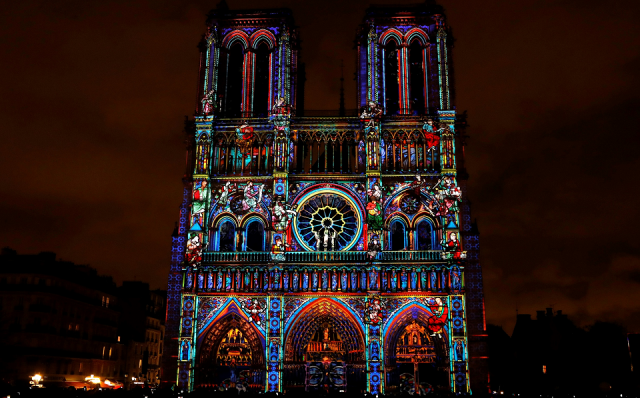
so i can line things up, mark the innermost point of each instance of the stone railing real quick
(322, 256)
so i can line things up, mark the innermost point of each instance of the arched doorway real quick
(231, 353)
(324, 350)
(416, 349)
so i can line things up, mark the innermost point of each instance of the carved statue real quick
(370, 114)
(251, 199)
(208, 102)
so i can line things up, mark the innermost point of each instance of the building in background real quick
(633, 343)
(549, 354)
(66, 323)
(332, 251)
(142, 330)
(58, 319)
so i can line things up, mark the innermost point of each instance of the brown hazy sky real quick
(93, 96)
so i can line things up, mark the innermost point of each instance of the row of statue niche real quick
(459, 351)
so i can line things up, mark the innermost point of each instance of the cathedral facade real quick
(326, 252)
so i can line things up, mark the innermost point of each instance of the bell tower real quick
(249, 60)
(247, 81)
(404, 61)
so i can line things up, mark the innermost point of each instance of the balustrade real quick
(322, 256)
(325, 152)
(410, 255)
(228, 257)
(233, 157)
(408, 152)
(325, 256)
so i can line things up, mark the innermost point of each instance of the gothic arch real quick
(248, 218)
(391, 34)
(392, 63)
(214, 232)
(413, 311)
(398, 216)
(433, 225)
(210, 337)
(397, 196)
(236, 35)
(234, 62)
(392, 243)
(262, 35)
(416, 33)
(224, 216)
(203, 153)
(207, 364)
(423, 215)
(261, 72)
(246, 227)
(301, 327)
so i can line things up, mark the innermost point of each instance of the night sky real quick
(93, 98)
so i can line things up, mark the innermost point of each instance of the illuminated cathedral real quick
(334, 251)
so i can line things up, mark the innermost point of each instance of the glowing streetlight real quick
(92, 379)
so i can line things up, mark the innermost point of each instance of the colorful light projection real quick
(414, 345)
(234, 350)
(328, 220)
(328, 251)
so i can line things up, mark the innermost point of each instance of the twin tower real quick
(327, 252)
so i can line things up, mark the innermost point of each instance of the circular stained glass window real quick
(328, 222)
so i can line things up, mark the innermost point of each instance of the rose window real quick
(328, 222)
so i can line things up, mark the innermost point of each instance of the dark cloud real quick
(94, 93)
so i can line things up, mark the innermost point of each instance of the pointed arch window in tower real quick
(255, 237)
(233, 87)
(227, 236)
(424, 235)
(391, 76)
(398, 236)
(417, 77)
(261, 80)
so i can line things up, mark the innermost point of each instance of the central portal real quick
(324, 350)
(326, 355)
